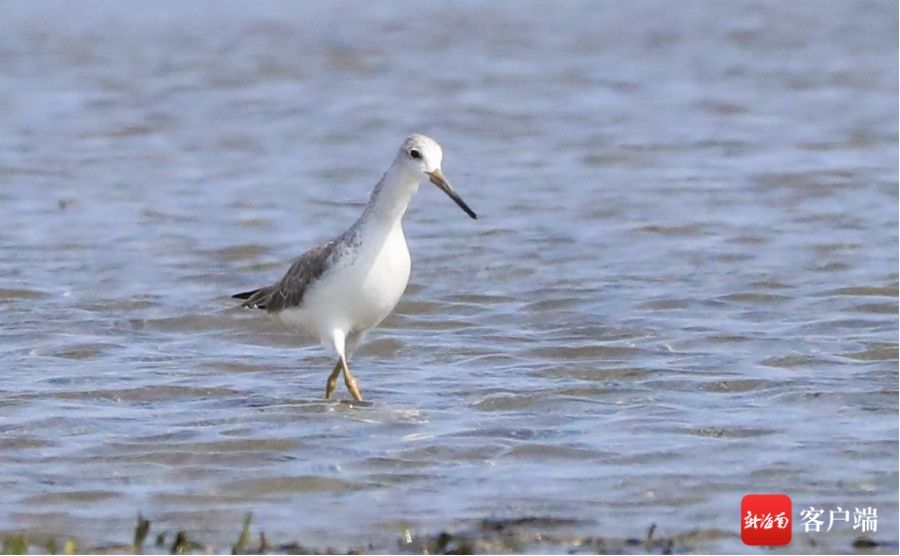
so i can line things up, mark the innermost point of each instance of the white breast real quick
(360, 291)
(382, 286)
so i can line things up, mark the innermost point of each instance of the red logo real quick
(766, 519)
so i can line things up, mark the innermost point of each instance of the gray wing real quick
(289, 291)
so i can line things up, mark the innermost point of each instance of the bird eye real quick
(415, 153)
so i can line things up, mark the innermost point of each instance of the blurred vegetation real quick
(486, 536)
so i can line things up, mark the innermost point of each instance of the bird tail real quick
(256, 299)
(246, 295)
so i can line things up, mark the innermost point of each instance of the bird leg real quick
(350, 381)
(332, 380)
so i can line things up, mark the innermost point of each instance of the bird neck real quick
(391, 196)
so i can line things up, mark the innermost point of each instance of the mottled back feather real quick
(288, 292)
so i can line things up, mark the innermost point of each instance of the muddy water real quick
(682, 286)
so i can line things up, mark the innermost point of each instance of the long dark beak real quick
(438, 179)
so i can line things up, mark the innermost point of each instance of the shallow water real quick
(682, 286)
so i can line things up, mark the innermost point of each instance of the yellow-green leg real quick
(350, 381)
(332, 380)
